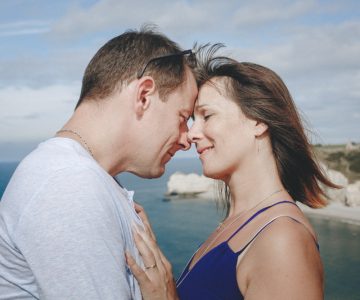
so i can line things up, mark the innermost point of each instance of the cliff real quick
(341, 158)
(193, 185)
(190, 185)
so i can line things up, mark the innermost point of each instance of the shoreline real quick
(337, 211)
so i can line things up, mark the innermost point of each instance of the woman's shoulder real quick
(284, 257)
(283, 232)
(287, 246)
(278, 222)
(286, 220)
(287, 233)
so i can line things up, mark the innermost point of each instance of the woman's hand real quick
(144, 218)
(156, 280)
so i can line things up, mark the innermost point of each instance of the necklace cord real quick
(82, 140)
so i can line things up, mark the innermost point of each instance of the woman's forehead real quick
(210, 93)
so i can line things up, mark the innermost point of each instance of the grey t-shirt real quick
(64, 226)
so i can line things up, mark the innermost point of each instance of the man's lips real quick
(204, 149)
(167, 157)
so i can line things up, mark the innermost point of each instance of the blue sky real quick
(45, 46)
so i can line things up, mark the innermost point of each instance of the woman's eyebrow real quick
(198, 107)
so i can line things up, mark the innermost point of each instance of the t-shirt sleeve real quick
(72, 240)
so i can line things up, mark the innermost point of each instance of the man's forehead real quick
(189, 91)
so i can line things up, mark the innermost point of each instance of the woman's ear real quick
(145, 90)
(260, 128)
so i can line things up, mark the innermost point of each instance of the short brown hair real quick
(262, 96)
(118, 61)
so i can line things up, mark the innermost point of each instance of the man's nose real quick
(184, 142)
(194, 134)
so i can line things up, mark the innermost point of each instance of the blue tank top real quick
(213, 277)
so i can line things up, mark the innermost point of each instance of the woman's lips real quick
(204, 150)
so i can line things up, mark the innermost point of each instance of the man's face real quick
(167, 132)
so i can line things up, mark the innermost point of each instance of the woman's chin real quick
(218, 175)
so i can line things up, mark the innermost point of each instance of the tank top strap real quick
(259, 212)
(267, 224)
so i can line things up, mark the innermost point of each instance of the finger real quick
(144, 229)
(151, 243)
(138, 207)
(145, 251)
(143, 216)
(162, 273)
(148, 239)
(149, 230)
(156, 289)
(138, 272)
(154, 248)
(167, 265)
(141, 211)
(164, 267)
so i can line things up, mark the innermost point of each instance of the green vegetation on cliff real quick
(337, 157)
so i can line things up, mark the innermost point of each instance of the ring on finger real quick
(151, 267)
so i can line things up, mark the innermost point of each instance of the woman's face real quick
(224, 136)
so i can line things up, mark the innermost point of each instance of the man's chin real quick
(154, 173)
(158, 173)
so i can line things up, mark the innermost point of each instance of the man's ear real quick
(146, 89)
(260, 128)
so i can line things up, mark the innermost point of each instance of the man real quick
(65, 223)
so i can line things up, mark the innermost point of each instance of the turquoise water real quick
(181, 225)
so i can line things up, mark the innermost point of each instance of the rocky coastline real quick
(343, 203)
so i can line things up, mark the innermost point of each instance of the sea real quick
(181, 225)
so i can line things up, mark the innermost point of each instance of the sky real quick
(45, 46)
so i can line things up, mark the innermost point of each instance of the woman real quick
(249, 135)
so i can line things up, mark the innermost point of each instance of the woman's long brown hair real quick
(263, 96)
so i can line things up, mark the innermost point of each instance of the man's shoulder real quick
(71, 194)
(54, 159)
(56, 153)
(55, 172)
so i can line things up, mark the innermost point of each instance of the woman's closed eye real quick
(207, 116)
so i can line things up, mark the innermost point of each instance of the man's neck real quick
(104, 140)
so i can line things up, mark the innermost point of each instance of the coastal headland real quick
(341, 163)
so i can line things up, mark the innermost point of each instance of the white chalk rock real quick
(353, 194)
(191, 185)
(335, 195)
(352, 146)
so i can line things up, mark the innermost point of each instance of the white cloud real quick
(24, 28)
(57, 66)
(308, 50)
(257, 13)
(35, 113)
(320, 65)
(24, 31)
(313, 45)
(179, 18)
(176, 17)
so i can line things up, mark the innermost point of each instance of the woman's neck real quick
(257, 180)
